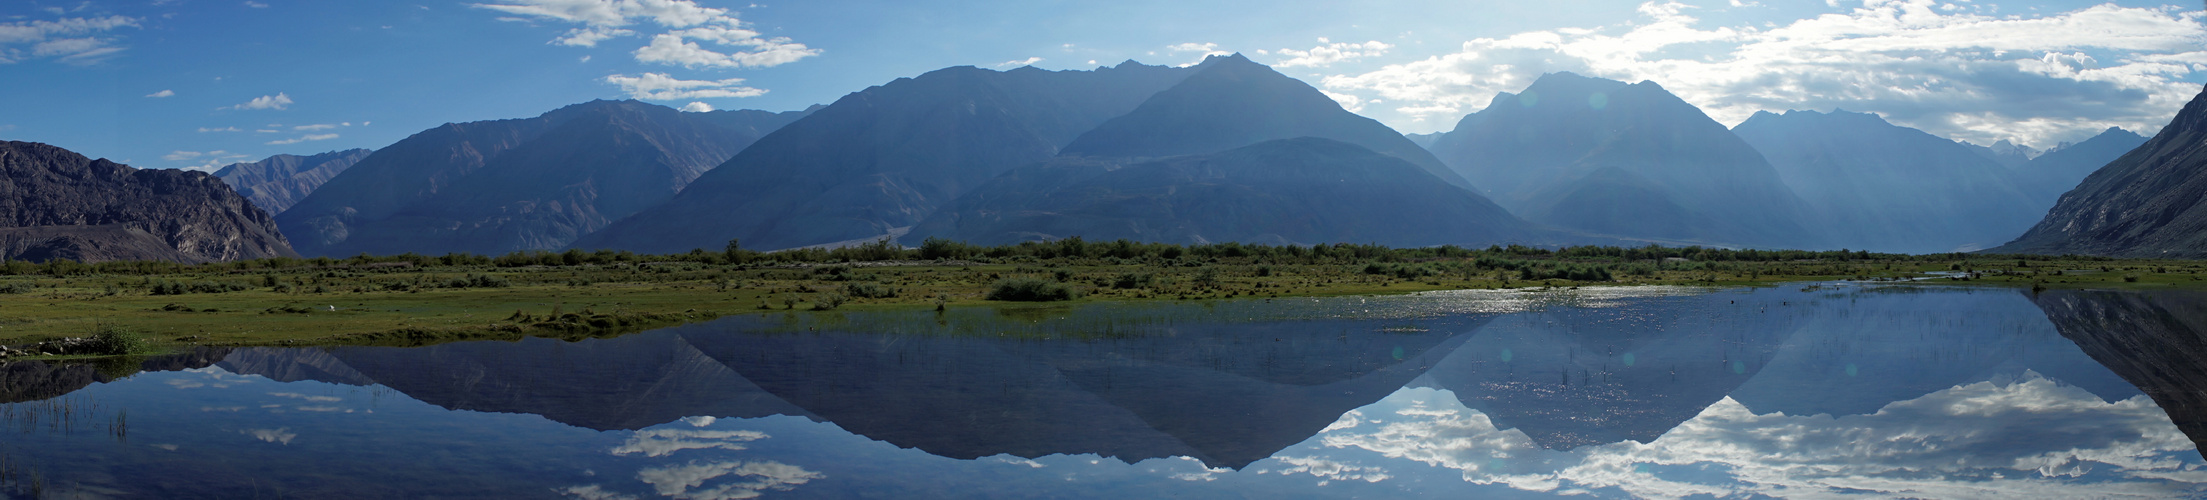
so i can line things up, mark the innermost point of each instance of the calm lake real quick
(1831, 390)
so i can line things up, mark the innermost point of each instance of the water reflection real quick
(1667, 393)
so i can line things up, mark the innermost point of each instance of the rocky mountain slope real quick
(492, 187)
(2148, 203)
(1627, 160)
(276, 183)
(57, 204)
(1295, 191)
(877, 161)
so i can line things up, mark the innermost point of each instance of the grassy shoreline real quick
(414, 300)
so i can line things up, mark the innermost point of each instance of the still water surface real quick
(1830, 391)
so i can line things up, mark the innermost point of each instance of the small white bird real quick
(333, 308)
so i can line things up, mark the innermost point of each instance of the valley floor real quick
(423, 301)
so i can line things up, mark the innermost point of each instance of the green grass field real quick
(427, 300)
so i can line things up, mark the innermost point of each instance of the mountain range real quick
(538, 183)
(1626, 160)
(1222, 150)
(276, 183)
(1872, 185)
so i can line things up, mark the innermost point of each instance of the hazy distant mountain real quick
(2148, 203)
(1423, 140)
(1233, 102)
(877, 161)
(2005, 153)
(536, 183)
(57, 204)
(1634, 161)
(1300, 191)
(274, 184)
(2049, 175)
(1872, 185)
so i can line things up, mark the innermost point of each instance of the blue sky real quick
(201, 83)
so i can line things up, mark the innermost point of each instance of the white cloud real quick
(1964, 75)
(304, 138)
(163, 93)
(685, 481)
(663, 442)
(684, 20)
(1348, 101)
(2028, 438)
(697, 107)
(590, 36)
(1020, 62)
(204, 161)
(321, 126)
(1203, 51)
(671, 49)
(75, 40)
(279, 436)
(1331, 52)
(256, 5)
(221, 129)
(278, 101)
(181, 155)
(660, 87)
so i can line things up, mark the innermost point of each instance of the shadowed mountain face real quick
(1234, 102)
(1572, 377)
(1631, 161)
(1872, 185)
(1297, 191)
(877, 161)
(22, 381)
(276, 183)
(2151, 202)
(56, 204)
(2049, 175)
(1131, 394)
(538, 183)
(2154, 339)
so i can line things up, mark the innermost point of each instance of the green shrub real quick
(1031, 290)
(829, 301)
(14, 288)
(1133, 280)
(114, 340)
(869, 290)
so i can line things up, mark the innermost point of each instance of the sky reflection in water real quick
(1662, 393)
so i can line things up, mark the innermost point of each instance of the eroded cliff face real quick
(57, 204)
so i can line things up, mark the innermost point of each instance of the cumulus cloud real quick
(1202, 50)
(163, 93)
(688, 481)
(2032, 80)
(304, 138)
(697, 107)
(278, 102)
(1331, 52)
(663, 442)
(74, 40)
(661, 87)
(281, 436)
(2032, 438)
(685, 23)
(1019, 62)
(204, 161)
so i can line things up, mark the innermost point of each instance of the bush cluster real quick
(1031, 290)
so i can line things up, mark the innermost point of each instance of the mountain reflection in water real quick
(1650, 392)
